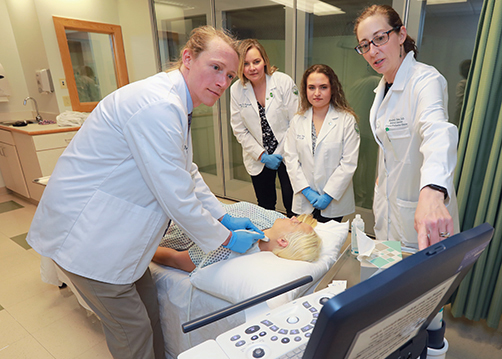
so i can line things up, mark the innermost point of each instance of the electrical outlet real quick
(62, 82)
(67, 101)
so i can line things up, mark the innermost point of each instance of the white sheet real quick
(180, 302)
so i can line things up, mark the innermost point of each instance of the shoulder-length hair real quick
(338, 99)
(244, 47)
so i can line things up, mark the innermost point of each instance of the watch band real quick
(439, 188)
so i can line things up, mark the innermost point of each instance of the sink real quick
(11, 122)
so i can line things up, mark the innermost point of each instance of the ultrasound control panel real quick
(279, 331)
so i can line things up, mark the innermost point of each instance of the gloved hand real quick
(234, 223)
(242, 240)
(322, 202)
(272, 161)
(311, 195)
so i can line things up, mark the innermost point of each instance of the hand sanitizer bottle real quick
(356, 223)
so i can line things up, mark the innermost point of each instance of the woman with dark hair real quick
(414, 200)
(322, 146)
(263, 102)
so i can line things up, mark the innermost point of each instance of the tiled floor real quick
(39, 321)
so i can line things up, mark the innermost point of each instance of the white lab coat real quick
(127, 171)
(418, 146)
(332, 166)
(281, 103)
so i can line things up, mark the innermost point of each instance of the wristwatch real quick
(439, 188)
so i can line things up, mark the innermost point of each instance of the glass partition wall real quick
(297, 34)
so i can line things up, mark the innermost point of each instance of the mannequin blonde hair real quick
(302, 246)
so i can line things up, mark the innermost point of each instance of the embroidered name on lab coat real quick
(244, 105)
(397, 123)
(300, 137)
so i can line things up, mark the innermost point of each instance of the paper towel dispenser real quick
(44, 81)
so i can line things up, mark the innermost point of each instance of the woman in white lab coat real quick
(322, 146)
(263, 102)
(414, 198)
(126, 174)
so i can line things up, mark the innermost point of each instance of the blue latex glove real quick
(311, 195)
(234, 223)
(322, 202)
(272, 161)
(242, 240)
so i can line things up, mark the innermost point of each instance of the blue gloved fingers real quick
(311, 195)
(271, 161)
(234, 223)
(242, 240)
(323, 201)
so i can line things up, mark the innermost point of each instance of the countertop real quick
(36, 129)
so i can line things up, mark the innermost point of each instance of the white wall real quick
(28, 42)
(11, 62)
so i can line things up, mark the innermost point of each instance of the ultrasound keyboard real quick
(280, 333)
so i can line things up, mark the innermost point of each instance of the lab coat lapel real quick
(271, 94)
(330, 122)
(249, 93)
(307, 127)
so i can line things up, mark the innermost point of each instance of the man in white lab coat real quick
(124, 176)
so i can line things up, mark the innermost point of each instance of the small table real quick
(347, 267)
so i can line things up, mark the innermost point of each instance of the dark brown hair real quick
(393, 20)
(338, 99)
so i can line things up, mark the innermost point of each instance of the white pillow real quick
(241, 278)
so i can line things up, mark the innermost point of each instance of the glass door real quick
(267, 22)
(175, 20)
(326, 36)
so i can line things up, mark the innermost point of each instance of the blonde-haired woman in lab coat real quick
(322, 146)
(263, 102)
(414, 198)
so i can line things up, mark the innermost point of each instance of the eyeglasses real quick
(379, 40)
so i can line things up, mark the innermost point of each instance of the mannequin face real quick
(254, 66)
(384, 59)
(283, 226)
(210, 74)
(318, 91)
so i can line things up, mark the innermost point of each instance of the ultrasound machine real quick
(385, 316)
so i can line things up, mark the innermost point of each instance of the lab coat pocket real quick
(400, 139)
(405, 218)
(122, 231)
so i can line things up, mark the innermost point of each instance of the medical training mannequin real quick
(128, 172)
(414, 199)
(290, 238)
(263, 102)
(322, 146)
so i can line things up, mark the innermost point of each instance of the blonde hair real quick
(200, 38)
(244, 47)
(302, 246)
